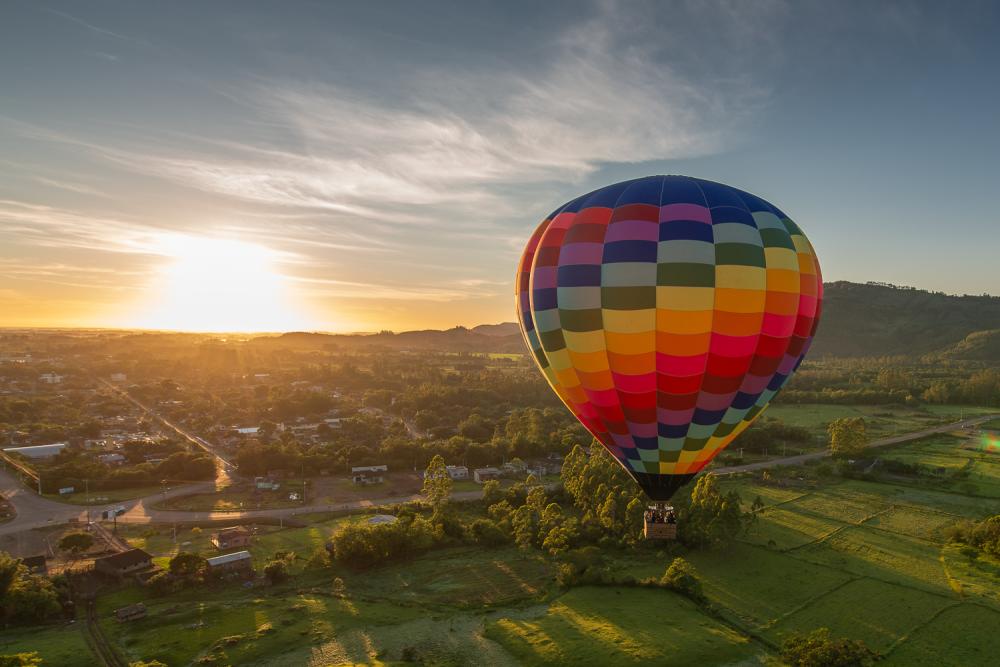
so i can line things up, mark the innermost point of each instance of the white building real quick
(247, 430)
(111, 459)
(457, 472)
(50, 378)
(357, 469)
(119, 377)
(38, 451)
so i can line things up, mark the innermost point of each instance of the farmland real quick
(867, 559)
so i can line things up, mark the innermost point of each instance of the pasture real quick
(59, 644)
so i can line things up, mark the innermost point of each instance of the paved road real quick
(884, 442)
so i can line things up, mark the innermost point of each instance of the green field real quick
(61, 644)
(882, 420)
(615, 626)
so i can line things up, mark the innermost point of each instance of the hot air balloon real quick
(667, 312)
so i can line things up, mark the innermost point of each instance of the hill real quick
(859, 320)
(876, 319)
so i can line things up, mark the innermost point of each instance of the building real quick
(50, 378)
(131, 612)
(379, 519)
(485, 474)
(266, 483)
(119, 377)
(111, 459)
(238, 561)
(247, 430)
(356, 469)
(230, 538)
(366, 479)
(126, 562)
(457, 472)
(37, 451)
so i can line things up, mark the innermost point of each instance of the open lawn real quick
(616, 626)
(882, 420)
(62, 644)
(235, 499)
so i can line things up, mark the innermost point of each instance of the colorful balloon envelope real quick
(666, 312)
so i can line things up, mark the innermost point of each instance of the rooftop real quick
(228, 558)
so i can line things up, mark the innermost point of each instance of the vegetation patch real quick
(963, 635)
(622, 626)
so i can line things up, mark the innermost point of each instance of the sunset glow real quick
(213, 284)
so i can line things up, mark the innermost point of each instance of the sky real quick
(379, 165)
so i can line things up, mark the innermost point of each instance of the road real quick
(884, 442)
(34, 511)
(226, 468)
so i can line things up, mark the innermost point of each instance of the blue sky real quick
(384, 162)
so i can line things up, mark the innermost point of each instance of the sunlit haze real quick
(357, 167)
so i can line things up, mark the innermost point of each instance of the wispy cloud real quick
(456, 139)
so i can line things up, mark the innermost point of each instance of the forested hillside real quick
(858, 320)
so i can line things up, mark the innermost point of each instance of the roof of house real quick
(129, 558)
(228, 558)
(234, 530)
(34, 561)
(37, 451)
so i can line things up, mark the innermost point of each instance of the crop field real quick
(960, 635)
(876, 612)
(605, 626)
(785, 529)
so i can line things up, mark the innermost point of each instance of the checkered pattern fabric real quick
(666, 312)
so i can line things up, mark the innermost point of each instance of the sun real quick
(219, 285)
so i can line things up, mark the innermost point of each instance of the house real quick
(131, 612)
(238, 561)
(247, 430)
(37, 451)
(230, 538)
(515, 467)
(356, 469)
(364, 479)
(123, 563)
(50, 378)
(485, 474)
(111, 459)
(266, 483)
(119, 377)
(35, 564)
(457, 472)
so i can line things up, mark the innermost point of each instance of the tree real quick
(491, 492)
(437, 483)
(10, 568)
(187, 564)
(681, 577)
(76, 543)
(848, 437)
(708, 517)
(818, 649)
(276, 570)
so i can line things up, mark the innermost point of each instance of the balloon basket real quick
(660, 522)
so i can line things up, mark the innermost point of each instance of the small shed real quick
(230, 538)
(130, 613)
(238, 561)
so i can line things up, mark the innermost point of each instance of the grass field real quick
(61, 644)
(882, 420)
(614, 626)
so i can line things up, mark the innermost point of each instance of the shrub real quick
(818, 649)
(681, 577)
